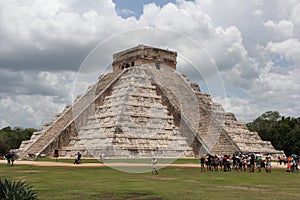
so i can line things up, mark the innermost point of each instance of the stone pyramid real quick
(144, 108)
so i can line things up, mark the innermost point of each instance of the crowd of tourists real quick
(291, 162)
(242, 163)
(212, 163)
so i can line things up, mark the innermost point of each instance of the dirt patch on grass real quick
(192, 181)
(248, 188)
(28, 171)
(23, 171)
(132, 196)
(70, 164)
(159, 178)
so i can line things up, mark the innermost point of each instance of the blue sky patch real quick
(280, 61)
(129, 8)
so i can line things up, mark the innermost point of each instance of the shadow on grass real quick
(128, 195)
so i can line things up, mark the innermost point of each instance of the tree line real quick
(283, 132)
(11, 138)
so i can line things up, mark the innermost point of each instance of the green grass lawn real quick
(171, 183)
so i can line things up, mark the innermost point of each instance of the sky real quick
(246, 53)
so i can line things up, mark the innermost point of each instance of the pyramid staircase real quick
(132, 122)
(218, 132)
(65, 125)
(182, 101)
(204, 115)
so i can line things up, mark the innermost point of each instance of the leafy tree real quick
(12, 138)
(283, 132)
(265, 124)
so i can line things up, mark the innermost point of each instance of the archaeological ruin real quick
(144, 108)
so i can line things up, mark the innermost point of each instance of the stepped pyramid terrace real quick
(144, 108)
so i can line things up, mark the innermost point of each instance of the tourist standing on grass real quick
(217, 162)
(240, 163)
(10, 157)
(154, 170)
(252, 162)
(234, 162)
(224, 161)
(294, 165)
(244, 163)
(258, 163)
(212, 163)
(56, 155)
(228, 163)
(202, 162)
(221, 162)
(102, 157)
(77, 158)
(268, 164)
(280, 160)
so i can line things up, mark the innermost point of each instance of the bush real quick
(16, 190)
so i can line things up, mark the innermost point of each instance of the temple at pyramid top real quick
(142, 54)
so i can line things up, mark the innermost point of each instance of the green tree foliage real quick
(12, 138)
(283, 132)
(16, 190)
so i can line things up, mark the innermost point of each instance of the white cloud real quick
(290, 49)
(125, 12)
(56, 84)
(257, 12)
(295, 18)
(186, 17)
(29, 99)
(255, 45)
(282, 30)
(54, 29)
(243, 108)
(28, 110)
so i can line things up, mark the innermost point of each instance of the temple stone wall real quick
(144, 55)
